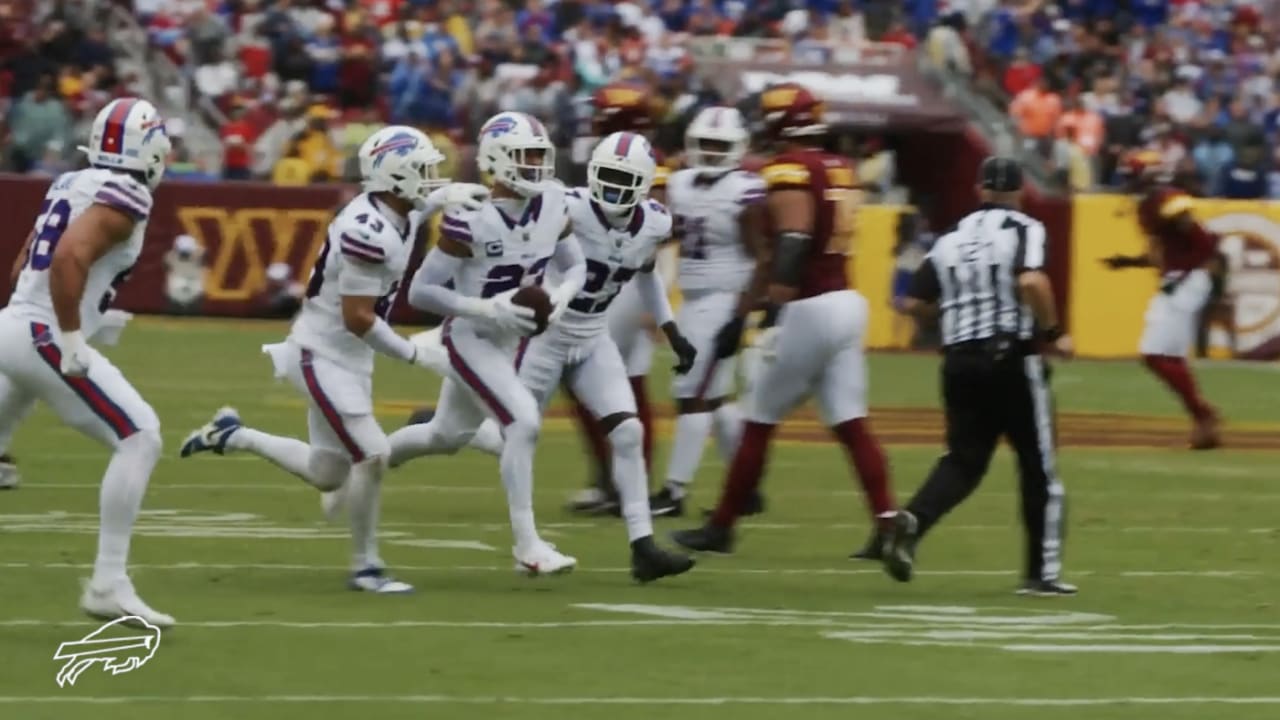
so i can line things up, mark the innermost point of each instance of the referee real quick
(986, 280)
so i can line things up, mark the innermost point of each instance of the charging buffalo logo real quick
(1251, 243)
(118, 654)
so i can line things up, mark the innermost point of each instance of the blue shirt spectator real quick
(1151, 12)
(1212, 156)
(1246, 178)
(1004, 35)
(436, 41)
(326, 55)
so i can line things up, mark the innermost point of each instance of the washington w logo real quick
(118, 655)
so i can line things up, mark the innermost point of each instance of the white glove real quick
(431, 353)
(507, 316)
(560, 299)
(75, 354)
(766, 342)
(108, 333)
(467, 196)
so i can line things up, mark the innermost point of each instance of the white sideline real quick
(1216, 574)
(511, 700)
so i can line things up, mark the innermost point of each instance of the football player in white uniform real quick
(620, 231)
(87, 237)
(720, 225)
(469, 277)
(328, 355)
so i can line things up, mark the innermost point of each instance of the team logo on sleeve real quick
(117, 653)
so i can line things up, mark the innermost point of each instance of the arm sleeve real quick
(924, 284)
(428, 291)
(653, 294)
(571, 263)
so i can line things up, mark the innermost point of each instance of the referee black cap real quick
(1000, 174)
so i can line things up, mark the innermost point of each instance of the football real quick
(533, 296)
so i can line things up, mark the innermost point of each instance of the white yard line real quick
(274, 567)
(646, 701)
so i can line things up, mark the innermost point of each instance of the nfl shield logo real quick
(493, 248)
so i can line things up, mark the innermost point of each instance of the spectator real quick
(1212, 155)
(947, 49)
(217, 78)
(1082, 126)
(1245, 178)
(237, 137)
(325, 53)
(1274, 175)
(458, 26)
(1239, 129)
(1021, 73)
(1036, 111)
(357, 71)
(353, 135)
(317, 148)
(1181, 103)
(94, 53)
(848, 28)
(27, 67)
(37, 120)
(292, 170)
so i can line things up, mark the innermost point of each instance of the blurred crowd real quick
(1088, 81)
(294, 86)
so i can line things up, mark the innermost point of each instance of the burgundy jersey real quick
(1182, 249)
(831, 181)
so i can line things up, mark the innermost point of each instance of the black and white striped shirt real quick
(972, 273)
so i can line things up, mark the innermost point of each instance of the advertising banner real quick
(1108, 306)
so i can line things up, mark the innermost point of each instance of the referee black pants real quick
(987, 396)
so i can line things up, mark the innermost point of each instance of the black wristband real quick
(1051, 334)
(770, 315)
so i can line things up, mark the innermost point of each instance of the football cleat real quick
(754, 505)
(376, 580)
(873, 550)
(1046, 588)
(1206, 433)
(707, 538)
(213, 436)
(542, 558)
(593, 501)
(899, 549)
(9, 477)
(117, 600)
(666, 504)
(650, 562)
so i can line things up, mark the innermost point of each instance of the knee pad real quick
(628, 436)
(328, 469)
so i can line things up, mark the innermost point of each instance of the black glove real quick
(685, 352)
(729, 338)
(1120, 262)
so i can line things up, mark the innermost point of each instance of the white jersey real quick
(707, 207)
(613, 255)
(364, 255)
(68, 197)
(506, 251)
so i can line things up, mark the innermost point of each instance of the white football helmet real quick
(717, 139)
(621, 172)
(402, 161)
(515, 150)
(128, 134)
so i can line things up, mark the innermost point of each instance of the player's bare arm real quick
(653, 296)
(20, 261)
(793, 214)
(92, 235)
(751, 226)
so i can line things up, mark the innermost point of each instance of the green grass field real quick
(1175, 553)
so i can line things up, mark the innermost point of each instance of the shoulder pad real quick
(120, 192)
(783, 175)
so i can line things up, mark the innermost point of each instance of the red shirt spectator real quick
(900, 35)
(256, 58)
(238, 136)
(1021, 74)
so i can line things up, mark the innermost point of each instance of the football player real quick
(328, 355)
(86, 239)
(622, 107)
(815, 325)
(469, 277)
(719, 217)
(1185, 253)
(620, 232)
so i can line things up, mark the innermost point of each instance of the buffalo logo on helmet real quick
(399, 144)
(500, 125)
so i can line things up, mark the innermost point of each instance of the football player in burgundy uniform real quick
(621, 107)
(1185, 254)
(816, 325)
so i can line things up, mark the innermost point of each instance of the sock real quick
(627, 440)
(686, 447)
(488, 438)
(727, 421)
(364, 488)
(290, 454)
(322, 469)
(868, 459)
(516, 465)
(644, 412)
(1177, 376)
(745, 472)
(119, 501)
(597, 443)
